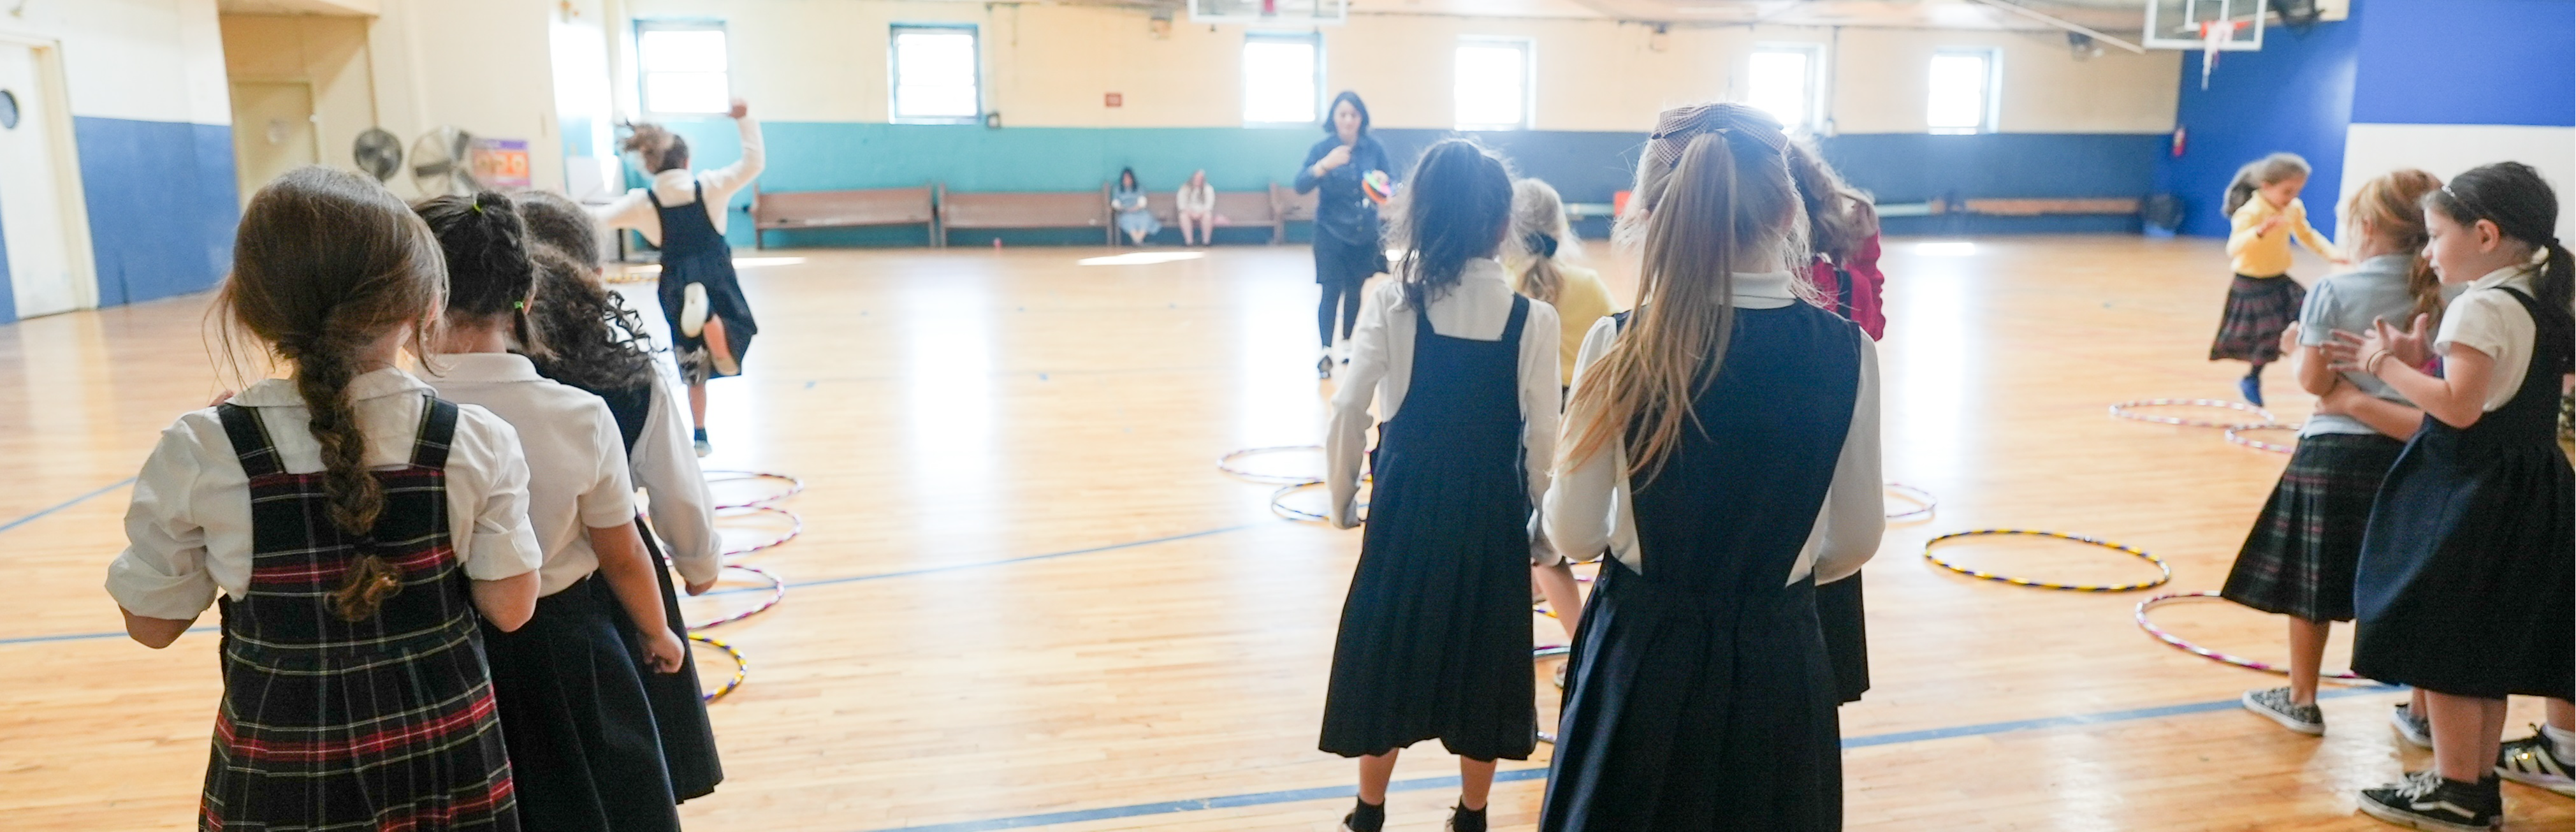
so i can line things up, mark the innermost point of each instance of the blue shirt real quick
(2352, 301)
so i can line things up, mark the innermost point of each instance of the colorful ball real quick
(1377, 186)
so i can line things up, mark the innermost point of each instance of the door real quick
(272, 131)
(32, 167)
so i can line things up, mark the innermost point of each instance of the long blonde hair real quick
(1540, 229)
(2389, 204)
(1713, 196)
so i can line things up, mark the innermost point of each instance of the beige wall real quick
(1048, 65)
(327, 53)
(480, 65)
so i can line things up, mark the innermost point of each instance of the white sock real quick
(2564, 741)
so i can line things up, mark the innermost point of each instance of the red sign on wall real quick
(1113, 100)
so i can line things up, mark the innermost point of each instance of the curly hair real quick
(595, 341)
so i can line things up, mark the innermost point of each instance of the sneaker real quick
(704, 448)
(2252, 388)
(2414, 729)
(2275, 703)
(1364, 818)
(2534, 761)
(2423, 800)
(1462, 819)
(1324, 365)
(693, 309)
(1560, 675)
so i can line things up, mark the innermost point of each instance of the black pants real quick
(1341, 269)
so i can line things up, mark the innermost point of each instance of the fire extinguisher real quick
(2179, 135)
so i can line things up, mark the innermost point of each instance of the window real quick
(1282, 79)
(1782, 81)
(936, 75)
(682, 65)
(1963, 92)
(1493, 84)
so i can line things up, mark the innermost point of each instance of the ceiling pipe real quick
(2062, 24)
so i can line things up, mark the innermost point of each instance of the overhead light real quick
(1141, 258)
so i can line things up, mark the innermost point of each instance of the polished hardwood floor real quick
(1025, 598)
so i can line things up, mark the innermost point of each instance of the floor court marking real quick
(66, 504)
(823, 582)
(1540, 773)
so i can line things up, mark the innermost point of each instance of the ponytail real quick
(489, 270)
(1538, 222)
(2523, 207)
(2277, 167)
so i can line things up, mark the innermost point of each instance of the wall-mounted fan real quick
(378, 153)
(439, 163)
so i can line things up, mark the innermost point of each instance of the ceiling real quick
(340, 8)
(2111, 16)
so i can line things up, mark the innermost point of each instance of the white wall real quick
(145, 60)
(2447, 150)
(481, 65)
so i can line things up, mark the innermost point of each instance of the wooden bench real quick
(1288, 205)
(796, 210)
(1234, 209)
(1025, 209)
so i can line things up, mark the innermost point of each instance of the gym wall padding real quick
(162, 205)
(2502, 62)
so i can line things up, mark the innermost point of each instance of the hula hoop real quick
(2235, 435)
(2121, 411)
(741, 667)
(2161, 567)
(1908, 492)
(1226, 464)
(1537, 653)
(794, 486)
(795, 527)
(777, 593)
(1298, 514)
(2179, 643)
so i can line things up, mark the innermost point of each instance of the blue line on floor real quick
(1516, 775)
(66, 504)
(824, 582)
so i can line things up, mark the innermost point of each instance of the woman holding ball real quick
(1347, 248)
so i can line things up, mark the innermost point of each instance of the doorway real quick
(272, 131)
(41, 223)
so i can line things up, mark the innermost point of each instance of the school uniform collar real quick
(679, 178)
(2513, 275)
(280, 392)
(1764, 290)
(484, 368)
(1483, 268)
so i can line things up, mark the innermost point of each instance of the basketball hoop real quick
(2215, 35)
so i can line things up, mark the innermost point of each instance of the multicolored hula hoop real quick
(741, 667)
(795, 527)
(2223, 658)
(2121, 411)
(1301, 515)
(2235, 435)
(1917, 495)
(2166, 571)
(1226, 464)
(777, 593)
(794, 486)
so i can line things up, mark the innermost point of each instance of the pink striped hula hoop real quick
(2185, 645)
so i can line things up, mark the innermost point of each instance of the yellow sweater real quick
(1583, 300)
(2268, 255)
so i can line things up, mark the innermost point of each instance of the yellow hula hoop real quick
(2165, 572)
(741, 666)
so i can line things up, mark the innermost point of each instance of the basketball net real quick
(2214, 37)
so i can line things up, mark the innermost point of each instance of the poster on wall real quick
(500, 164)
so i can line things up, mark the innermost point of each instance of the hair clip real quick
(518, 306)
(478, 206)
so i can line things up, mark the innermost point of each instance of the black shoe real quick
(2423, 800)
(2534, 761)
(1462, 819)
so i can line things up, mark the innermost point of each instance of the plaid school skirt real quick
(2299, 559)
(2259, 309)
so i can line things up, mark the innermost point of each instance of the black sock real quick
(2256, 372)
(1463, 819)
(1366, 816)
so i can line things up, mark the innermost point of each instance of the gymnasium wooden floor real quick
(1024, 598)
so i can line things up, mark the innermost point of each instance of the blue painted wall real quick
(8, 293)
(1584, 166)
(2466, 62)
(2295, 95)
(162, 205)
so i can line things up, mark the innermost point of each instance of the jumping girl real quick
(582, 740)
(2468, 568)
(341, 514)
(711, 325)
(1540, 270)
(1347, 246)
(2298, 561)
(2265, 212)
(593, 342)
(1435, 635)
(1722, 446)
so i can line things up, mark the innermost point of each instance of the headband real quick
(1664, 146)
(2541, 242)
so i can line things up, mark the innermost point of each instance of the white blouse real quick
(1198, 200)
(665, 465)
(635, 211)
(577, 477)
(188, 530)
(2486, 319)
(1382, 368)
(1589, 510)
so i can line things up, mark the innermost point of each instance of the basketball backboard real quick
(2201, 25)
(1271, 12)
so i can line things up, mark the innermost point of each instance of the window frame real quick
(1313, 41)
(1815, 82)
(644, 74)
(1989, 121)
(1529, 83)
(894, 71)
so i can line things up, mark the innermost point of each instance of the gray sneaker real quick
(2411, 726)
(2275, 703)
